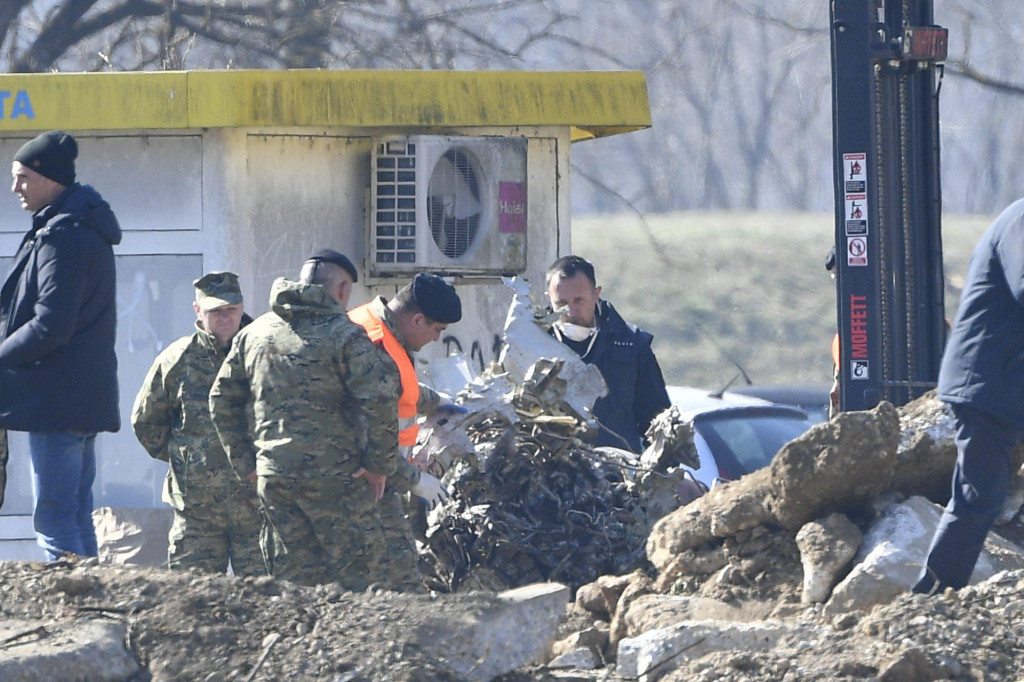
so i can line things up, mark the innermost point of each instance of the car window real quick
(746, 443)
(708, 471)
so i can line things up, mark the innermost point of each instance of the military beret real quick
(51, 155)
(217, 289)
(340, 259)
(436, 298)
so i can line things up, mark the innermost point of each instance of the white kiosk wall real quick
(153, 184)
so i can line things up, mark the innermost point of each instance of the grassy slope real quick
(750, 286)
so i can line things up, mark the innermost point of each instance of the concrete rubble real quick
(479, 646)
(844, 500)
(848, 509)
(93, 650)
(615, 576)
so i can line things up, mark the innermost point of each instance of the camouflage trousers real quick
(322, 530)
(208, 539)
(400, 571)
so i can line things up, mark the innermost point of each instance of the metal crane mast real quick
(886, 75)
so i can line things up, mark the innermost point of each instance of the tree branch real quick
(963, 69)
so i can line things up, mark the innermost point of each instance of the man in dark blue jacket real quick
(982, 378)
(58, 370)
(592, 328)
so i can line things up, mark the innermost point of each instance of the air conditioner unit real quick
(453, 205)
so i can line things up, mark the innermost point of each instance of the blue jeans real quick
(63, 470)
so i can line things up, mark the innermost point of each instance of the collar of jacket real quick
(41, 216)
(380, 310)
(610, 321)
(86, 206)
(612, 331)
(291, 300)
(209, 340)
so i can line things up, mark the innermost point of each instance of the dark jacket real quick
(636, 388)
(58, 320)
(983, 365)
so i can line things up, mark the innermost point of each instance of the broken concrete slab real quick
(581, 658)
(65, 651)
(480, 647)
(638, 656)
(601, 596)
(894, 548)
(656, 611)
(826, 548)
(926, 453)
(838, 465)
(725, 510)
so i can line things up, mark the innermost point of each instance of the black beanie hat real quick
(436, 298)
(52, 155)
(339, 259)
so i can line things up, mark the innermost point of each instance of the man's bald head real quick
(335, 279)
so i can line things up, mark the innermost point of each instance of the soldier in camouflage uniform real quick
(416, 316)
(216, 515)
(324, 432)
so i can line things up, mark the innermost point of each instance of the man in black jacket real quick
(58, 318)
(982, 378)
(591, 327)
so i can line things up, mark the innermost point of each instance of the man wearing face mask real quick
(590, 326)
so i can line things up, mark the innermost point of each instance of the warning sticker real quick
(859, 370)
(855, 181)
(856, 214)
(856, 251)
(856, 207)
(855, 170)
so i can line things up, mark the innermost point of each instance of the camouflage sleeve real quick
(428, 402)
(406, 476)
(230, 398)
(372, 378)
(153, 412)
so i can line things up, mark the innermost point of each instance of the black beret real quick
(332, 256)
(436, 298)
(52, 155)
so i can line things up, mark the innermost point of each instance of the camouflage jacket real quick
(171, 419)
(323, 400)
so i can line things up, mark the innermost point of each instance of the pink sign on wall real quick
(511, 207)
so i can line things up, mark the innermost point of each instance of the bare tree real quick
(128, 35)
(739, 89)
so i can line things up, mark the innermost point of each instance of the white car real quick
(736, 434)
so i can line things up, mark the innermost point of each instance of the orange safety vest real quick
(379, 333)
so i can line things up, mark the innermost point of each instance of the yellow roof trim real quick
(591, 103)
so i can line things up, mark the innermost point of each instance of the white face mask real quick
(575, 332)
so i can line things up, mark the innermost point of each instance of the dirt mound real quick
(724, 592)
(186, 626)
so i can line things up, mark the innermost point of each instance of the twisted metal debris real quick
(535, 503)
(532, 500)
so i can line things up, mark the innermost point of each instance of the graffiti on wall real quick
(478, 357)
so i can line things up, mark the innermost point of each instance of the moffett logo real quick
(15, 105)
